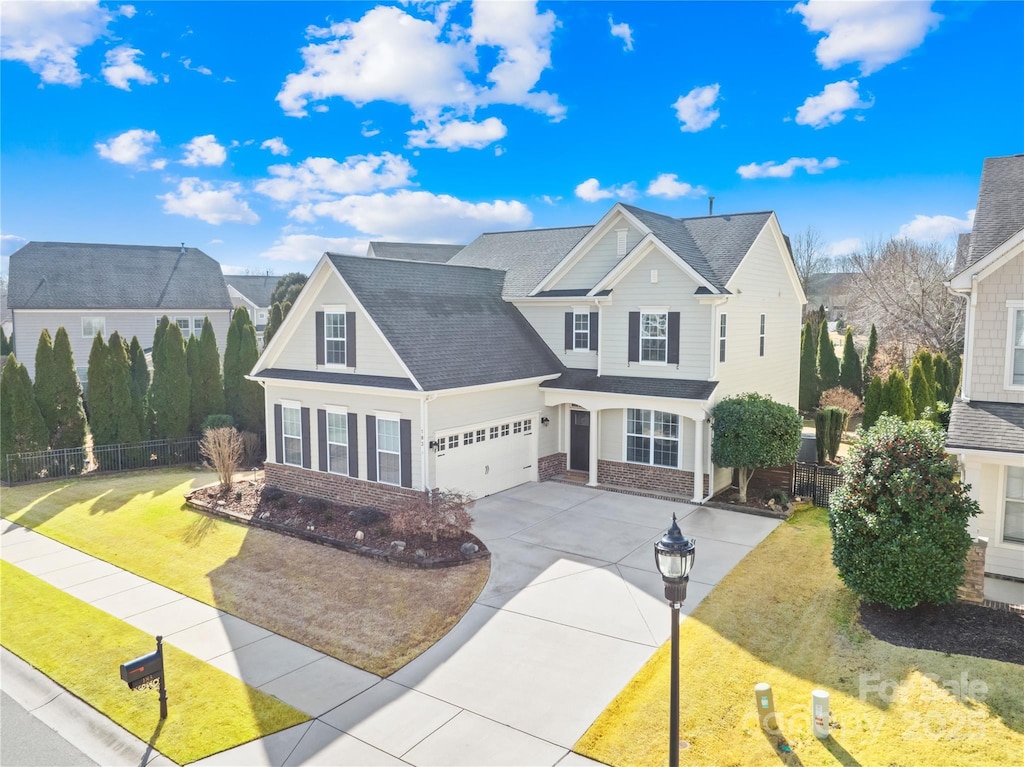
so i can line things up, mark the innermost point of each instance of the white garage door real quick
(487, 458)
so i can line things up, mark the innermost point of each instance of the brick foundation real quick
(973, 588)
(333, 487)
(655, 478)
(551, 466)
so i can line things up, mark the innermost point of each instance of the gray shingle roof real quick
(526, 257)
(348, 379)
(67, 275)
(672, 388)
(997, 426)
(449, 324)
(415, 251)
(257, 288)
(1000, 211)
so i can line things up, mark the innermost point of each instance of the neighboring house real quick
(831, 290)
(413, 251)
(253, 292)
(597, 349)
(91, 288)
(986, 430)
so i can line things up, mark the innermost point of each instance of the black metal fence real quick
(76, 461)
(815, 482)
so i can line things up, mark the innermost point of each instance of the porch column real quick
(970, 470)
(594, 426)
(698, 460)
(566, 427)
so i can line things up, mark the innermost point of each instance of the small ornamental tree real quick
(808, 370)
(851, 375)
(828, 363)
(896, 397)
(753, 432)
(22, 429)
(869, 355)
(223, 448)
(829, 425)
(899, 519)
(873, 403)
(69, 428)
(440, 514)
(922, 395)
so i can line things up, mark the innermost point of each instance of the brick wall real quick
(332, 487)
(551, 466)
(973, 588)
(655, 478)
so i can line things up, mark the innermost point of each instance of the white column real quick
(566, 430)
(971, 474)
(698, 460)
(594, 425)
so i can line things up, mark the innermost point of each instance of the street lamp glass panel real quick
(674, 554)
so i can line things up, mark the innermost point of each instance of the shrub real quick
(252, 444)
(23, 428)
(441, 514)
(899, 519)
(868, 366)
(896, 397)
(779, 496)
(844, 398)
(828, 363)
(218, 421)
(271, 493)
(829, 425)
(223, 449)
(873, 402)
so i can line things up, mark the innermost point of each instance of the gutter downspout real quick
(972, 302)
(425, 438)
(707, 456)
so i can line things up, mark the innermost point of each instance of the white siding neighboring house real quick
(253, 292)
(986, 429)
(90, 288)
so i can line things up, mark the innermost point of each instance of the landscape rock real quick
(469, 548)
(398, 545)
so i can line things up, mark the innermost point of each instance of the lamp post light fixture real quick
(674, 556)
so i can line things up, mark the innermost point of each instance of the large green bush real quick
(899, 519)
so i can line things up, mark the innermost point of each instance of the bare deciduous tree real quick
(441, 514)
(810, 256)
(223, 448)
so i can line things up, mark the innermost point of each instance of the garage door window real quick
(652, 437)
(337, 443)
(389, 451)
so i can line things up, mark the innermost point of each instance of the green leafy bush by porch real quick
(899, 519)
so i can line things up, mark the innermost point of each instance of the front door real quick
(579, 440)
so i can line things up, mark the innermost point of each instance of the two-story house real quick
(91, 288)
(253, 292)
(599, 349)
(986, 429)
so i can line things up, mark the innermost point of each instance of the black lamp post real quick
(674, 556)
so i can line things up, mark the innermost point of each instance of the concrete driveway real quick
(573, 608)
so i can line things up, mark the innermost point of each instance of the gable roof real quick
(257, 288)
(448, 324)
(68, 275)
(415, 251)
(999, 213)
(525, 256)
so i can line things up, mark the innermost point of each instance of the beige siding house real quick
(253, 292)
(986, 428)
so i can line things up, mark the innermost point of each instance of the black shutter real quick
(634, 336)
(306, 447)
(371, 448)
(350, 339)
(321, 430)
(278, 436)
(593, 331)
(405, 429)
(673, 338)
(353, 445)
(568, 330)
(319, 338)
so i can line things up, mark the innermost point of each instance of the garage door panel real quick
(487, 458)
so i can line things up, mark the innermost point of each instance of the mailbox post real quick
(145, 669)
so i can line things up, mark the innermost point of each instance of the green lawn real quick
(81, 648)
(783, 617)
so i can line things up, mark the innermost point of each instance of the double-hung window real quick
(652, 438)
(721, 338)
(581, 330)
(337, 443)
(334, 338)
(653, 337)
(1013, 508)
(389, 451)
(1015, 352)
(291, 435)
(197, 326)
(93, 325)
(184, 325)
(762, 336)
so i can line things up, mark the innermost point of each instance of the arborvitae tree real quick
(102, 408)
(140, 385)
(286, 306)
(809, 391)
(873, 402)
(276, 316)
(24, 430)
(897, 400)
(192, 365)
(158, 335)
(870, 353)
(119, 376)
(851, 376)
(169, 395)
(957, 364)
(943, 380)
(828, 363)
(5, 344)
(921, 393)
(924, 356)
(242, 398)
(69, 429)
(204, 370)
(43, 387)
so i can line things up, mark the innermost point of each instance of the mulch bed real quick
(334, 523)
(959, 628)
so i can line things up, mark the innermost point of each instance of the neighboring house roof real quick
(991, 426)
(448, 324)
(67, 275)
(257, 288)
(526, 256)
(999, 213)
(674, 388)
(347, 379)
(415, 251)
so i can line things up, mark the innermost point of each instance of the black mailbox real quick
(141, 670)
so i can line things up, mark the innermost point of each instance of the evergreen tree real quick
(24, 430)
(808, 370)
(921, 393)
(192, 365)
(869, 355)
(69, 429)
(924, 356)
(943, 379)
(140, 386)
(897, 400)
(102, 415)
(43, 387)
(119, 377)
(828, 363)
(159, 333)
(207, 384)
(287, 288)
(957, 364)
(5, 344)
(169, 395)
(276, 317)
(850, 374)
(243, 399)
(873, 402)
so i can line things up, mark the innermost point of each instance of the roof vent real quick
(182, 249)
(711, 205)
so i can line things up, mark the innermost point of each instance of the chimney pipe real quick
(711, 205)
(182, 249)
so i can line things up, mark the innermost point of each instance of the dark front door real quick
(579, 441)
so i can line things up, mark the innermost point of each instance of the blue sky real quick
(265, 133)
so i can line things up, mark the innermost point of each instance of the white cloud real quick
(121, 68)
(937, 228)
(10, 243)
(367, 130)
(830, 106)
(207, 202)
(48, 36)
(423, 216)
(187, 63)
(845, 247)
(696, 109)
(591, 191)
(458, 134)
(309, 247)
(623, 32)
(128, 11)
(131, 148)
(547, 199)
(276, 146)
(669, 186)
(873, 33)
(771, 169)
(204, 150)
(322, 178)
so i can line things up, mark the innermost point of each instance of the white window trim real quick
(626, 435)
(723, 336)
(389, 418)
(1012, 307)
(761, 337)
(297, 406)
(1001, 512)
(586, 347)
(640, 350)
(344, 320)
(342, 411)
(93, 320)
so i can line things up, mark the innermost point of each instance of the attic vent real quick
(182, 249)
(620, 241)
